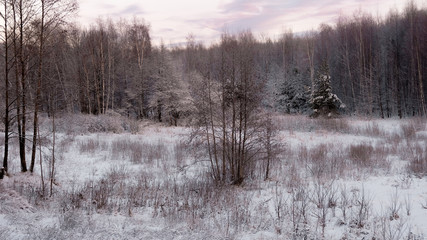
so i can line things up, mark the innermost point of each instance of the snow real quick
(257, 210)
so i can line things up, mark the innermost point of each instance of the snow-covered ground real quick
(337, 179)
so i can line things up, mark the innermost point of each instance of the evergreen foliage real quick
(292, 95)
(323, 101)
(289, 91)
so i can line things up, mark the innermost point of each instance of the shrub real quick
(125, 148)
(92, 146)
(408, 131)
(418, 161)
(333, 125)
(361, 154)
(371, 129)
(80, 123)
(318, 154)
(138, 152)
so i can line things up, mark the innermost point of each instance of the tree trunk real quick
(18, 87)
(420, 82)
(22, 138)
(6, 79)
(38, 90)
(52, 170)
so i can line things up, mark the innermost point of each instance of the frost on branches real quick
(322, 100)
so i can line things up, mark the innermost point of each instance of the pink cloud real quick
(261, 16)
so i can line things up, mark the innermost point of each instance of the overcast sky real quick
(173, 20)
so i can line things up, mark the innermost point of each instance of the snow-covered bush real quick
(110, 122)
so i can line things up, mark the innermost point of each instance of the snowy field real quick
(348, 178)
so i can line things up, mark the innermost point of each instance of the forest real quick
(246, 115)
(376, 66)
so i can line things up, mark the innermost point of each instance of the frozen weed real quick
(139, 152)
(395, 206)
(408, 205)
(344, 202)
(110, 122)
(65, 143)
(408, 131)
(418, 161)
(361, 207)
(295, 123)
(424, 204)
(361, 154)
(92, 146)
(326, 161)
(155, 152)
(320, 198)
(371, 129)
(180, 150)
(339, 125)
(392, 230)
(318, 154)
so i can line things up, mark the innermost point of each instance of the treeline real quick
(31, 30)
(377, 67)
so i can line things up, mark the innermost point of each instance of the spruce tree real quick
(323, 101)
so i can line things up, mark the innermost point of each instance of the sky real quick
(171, 21)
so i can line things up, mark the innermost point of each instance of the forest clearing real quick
(350, 178)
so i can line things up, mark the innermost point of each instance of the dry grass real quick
(111, 122)
(127, 149)
(298, 202)
(339, 125)
(372, 129)
(410, 128)
(361, 154)
(418, 161)
(306, 124)
(408, 131)
(92, 146)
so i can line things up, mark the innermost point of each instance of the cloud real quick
(269, 16)
(173, 20)
(133, 9)
(263, 16)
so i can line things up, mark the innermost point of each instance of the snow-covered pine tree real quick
(293, 95)
(323, 101)
(288, 91)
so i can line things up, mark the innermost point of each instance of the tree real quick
(6, 66)
(323, 101)
(290, 93)
(228, 95)
(22, 15)
(50, 16)
(139, 38)
(170, 99)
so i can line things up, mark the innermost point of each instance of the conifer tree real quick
(323, 101)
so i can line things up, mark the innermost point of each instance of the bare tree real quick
(6, 120)
(22, 13)
(309, 41)
(51, 15)
(228, 101)
(139, 38)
